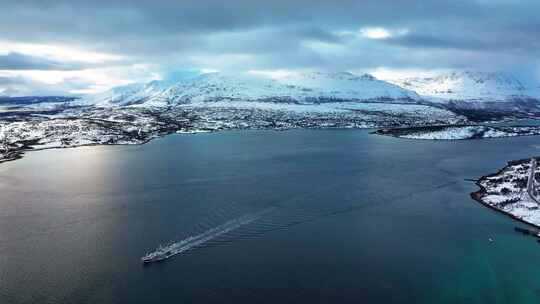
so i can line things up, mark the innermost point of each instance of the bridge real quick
(532, 187)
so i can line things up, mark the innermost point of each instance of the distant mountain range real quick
(305, 88)
(317, 87)
(470, 87)
(455, 91)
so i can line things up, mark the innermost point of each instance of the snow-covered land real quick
(308, 88)
(210, 102)
(460, 132)
(27, 130)
(470, 86)
(136, 93)
(506, 191)
(477, 95)
(54, 125)
(481, 96)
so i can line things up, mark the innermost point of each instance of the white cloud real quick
(57, 52)
(207, 71)
(375, 33)
(85, 80)
(381, 32)
(95, 80)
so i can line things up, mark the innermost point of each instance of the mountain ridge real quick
(469, 86)
(315, 87)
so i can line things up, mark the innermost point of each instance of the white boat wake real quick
(165, 252)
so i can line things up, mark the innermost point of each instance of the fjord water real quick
(397, 224)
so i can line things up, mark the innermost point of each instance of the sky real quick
(77, 47)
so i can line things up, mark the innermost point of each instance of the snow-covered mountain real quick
(298, 88)
(135, 93)
(470, 86)
(346, 86)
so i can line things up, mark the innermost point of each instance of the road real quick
(530, 181)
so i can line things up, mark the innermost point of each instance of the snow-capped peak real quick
(345, 85)
(311, 87)
(468, 86)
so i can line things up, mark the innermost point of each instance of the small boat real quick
(158, 255)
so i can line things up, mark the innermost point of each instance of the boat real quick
(158, 255)
(174, 248)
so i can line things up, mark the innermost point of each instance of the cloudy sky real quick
(75, 46)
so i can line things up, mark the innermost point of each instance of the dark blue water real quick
(362, 219)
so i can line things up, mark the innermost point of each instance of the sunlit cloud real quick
(206, 70)
(381, 32)
(57, 52)
(375, 33)
(94, 80)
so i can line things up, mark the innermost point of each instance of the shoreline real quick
(442, 132)
(478, 195)
(20, 152)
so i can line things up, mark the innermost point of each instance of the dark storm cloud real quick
(100, 21)
(247, 34)
(491, 42)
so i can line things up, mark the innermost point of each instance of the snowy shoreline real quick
(25, 128)
(18, 153)
(505, 192)
(459, 132)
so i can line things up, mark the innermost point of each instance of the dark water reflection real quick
(74, 223)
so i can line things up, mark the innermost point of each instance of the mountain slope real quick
(299, 88)
(470, 87)
(346, 86)
(135, 93)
